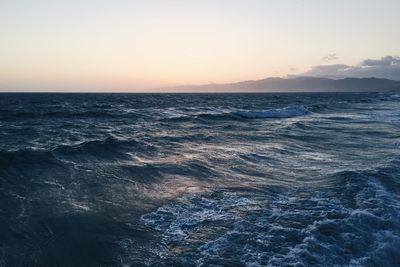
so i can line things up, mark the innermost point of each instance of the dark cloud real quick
(385, 61)
(387, 67)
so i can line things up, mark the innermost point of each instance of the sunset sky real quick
(135, 45)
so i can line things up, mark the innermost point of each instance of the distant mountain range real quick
(297, 84)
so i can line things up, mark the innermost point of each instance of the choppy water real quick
(200, 179)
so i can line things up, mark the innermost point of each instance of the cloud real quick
(387, 67)
(330, 57)
(385, 61)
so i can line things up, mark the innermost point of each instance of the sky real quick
(128, 45)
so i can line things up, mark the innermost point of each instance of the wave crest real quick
(232, 113)
(280, 113)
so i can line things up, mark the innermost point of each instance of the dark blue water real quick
(200, 179)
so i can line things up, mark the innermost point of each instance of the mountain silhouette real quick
(297, 84)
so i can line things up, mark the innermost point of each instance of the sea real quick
(245, 179)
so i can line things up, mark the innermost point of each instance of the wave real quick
(355, 222)
(109, 149)
(390, 97)
(231, 113)
(395, 96)
(280, 113)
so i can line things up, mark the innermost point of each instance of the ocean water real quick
(200, 179)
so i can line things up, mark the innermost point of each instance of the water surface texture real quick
(200, 179)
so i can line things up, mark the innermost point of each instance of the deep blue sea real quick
(200, 179)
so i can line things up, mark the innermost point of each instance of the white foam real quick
(285, 229)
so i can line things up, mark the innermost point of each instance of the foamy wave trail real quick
(354, 223)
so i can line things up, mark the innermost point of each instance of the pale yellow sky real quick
(134, 45)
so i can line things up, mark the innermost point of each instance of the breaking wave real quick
(354, 223)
